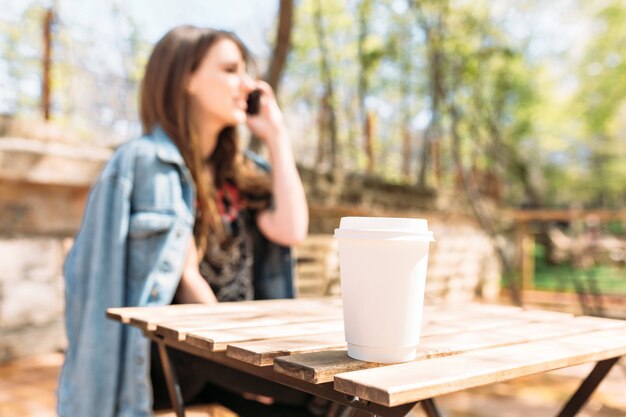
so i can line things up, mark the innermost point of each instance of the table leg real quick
(354, 412)
(430, 408)
(344, 410)
(173, 388)
(587, 387)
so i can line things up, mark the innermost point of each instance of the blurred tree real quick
(601, 104)
(431, 17)
(282, 45)
(93, 92)
(48, 21)
(370, 53)
(328, 135)
(22, 51)
(323, 60)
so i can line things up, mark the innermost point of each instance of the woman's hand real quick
(287, 221)
(268, 124)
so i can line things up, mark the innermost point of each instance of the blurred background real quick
(501, 122)
(528, 93)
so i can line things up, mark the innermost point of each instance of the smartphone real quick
(254, 102)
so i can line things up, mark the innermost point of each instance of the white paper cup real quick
(383, 265)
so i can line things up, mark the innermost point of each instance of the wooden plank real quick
(506, 320)
(545, 316)
(413, 381)
(193, 309)
(178, 330)
(263, 352)
(218, 340)
(175, 309)
(545, 330)
(485, 312)
(435, 328)
(124, 314)
(150, 319)
(448, 312)
(482, 324)
(318, 367)
(152, 323)
(551, 215)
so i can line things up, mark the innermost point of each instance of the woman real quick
(181, 196)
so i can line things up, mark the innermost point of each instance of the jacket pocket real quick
(147, 236)
(147, 224)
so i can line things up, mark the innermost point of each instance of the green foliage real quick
(514, 120)
(604, 279)
(21, 44)
(601, 105)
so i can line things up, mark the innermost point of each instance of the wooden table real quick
(300, 343)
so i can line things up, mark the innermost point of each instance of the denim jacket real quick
(130, 251)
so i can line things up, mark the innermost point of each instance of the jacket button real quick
(166, 266)
(139, 360)
(154, 293)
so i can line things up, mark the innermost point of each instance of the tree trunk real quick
(329, 97)
(515, 164)
(282, 46)
(364, 10)
(407, 112)
(369, 129)
(406, 152)
(322, 131)
(47, 59)
(435, 34)
(476, 203)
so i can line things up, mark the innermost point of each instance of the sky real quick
(94, 21)
(250, 19)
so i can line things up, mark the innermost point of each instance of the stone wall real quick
(43, 187)
(463, 265)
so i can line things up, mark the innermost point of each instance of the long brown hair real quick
(165, 102)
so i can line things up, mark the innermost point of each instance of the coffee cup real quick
(383, 263)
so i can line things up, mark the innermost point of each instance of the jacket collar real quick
(167, 151)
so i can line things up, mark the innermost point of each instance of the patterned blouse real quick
(229, 270)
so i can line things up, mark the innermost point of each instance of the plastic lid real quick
(383, 227)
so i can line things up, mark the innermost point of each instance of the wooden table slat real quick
(404, 383)
(154, 316)
(179, 329)
(319, 367)
(263, 352)
(218, 340)
(445, 313)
